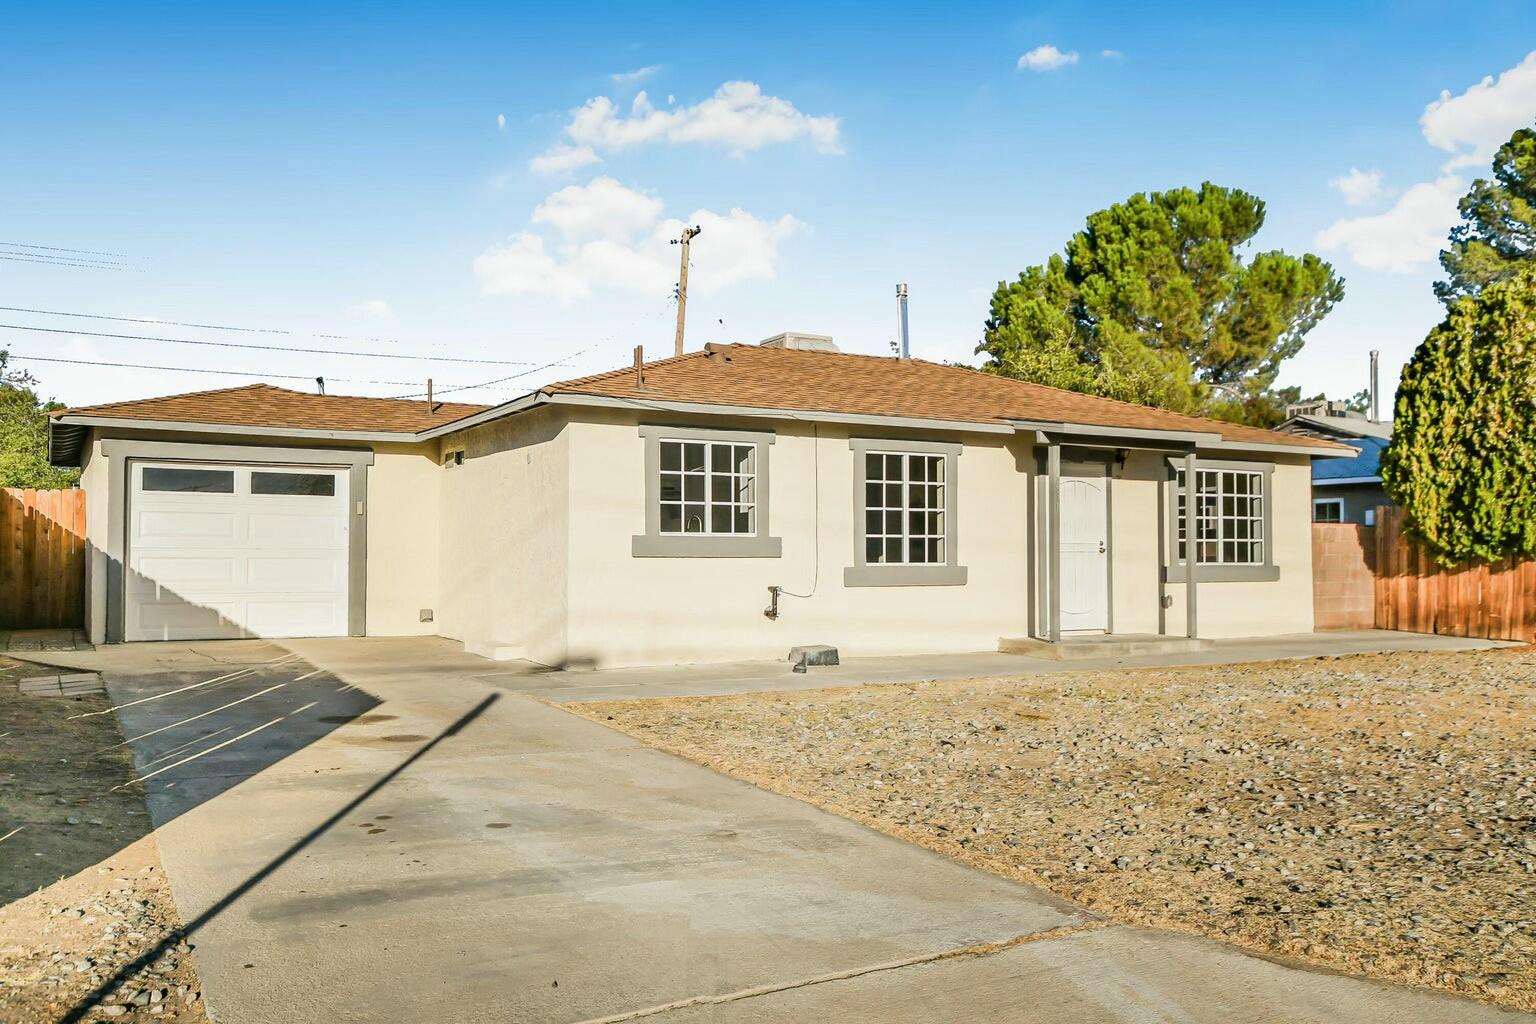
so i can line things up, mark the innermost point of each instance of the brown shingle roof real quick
(812, 381)
(736, 375)
(262, 405)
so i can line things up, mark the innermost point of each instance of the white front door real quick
(222, 551)
(1084, 547)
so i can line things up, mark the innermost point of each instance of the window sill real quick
(685, 546)
(1224, 574)
(904, 576)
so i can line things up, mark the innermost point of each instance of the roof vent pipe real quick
(1375, 386)
(901, 320)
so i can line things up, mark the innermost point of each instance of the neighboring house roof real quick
(1363, 468)
(835, 382)
(745, 378)
(1335, 427)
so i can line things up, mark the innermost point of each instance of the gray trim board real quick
(1192, 584)
(120, 423)
(120, 451)
(1053, 537)
(764, 412)
(1277, 448)
(655, 544)
(1176, 571)
(1185, 437)
(951, 573)
(1345, 481)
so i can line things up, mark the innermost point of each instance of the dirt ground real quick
(82, 892)
(1374, 814)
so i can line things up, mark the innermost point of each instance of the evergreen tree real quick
(1152, 302)
(1497, 233)
(1462, 462)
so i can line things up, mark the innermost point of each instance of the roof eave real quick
(67, 430)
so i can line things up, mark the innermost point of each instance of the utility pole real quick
(689, 234)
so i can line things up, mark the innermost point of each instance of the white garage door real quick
(220, 551)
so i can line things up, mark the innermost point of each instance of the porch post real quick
(1053, 537)
(1191, 558)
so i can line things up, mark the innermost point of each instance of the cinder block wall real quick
(1343, 576)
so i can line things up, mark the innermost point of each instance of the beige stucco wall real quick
(93, 480)
(1223, 609)
(626, 610)
(403, 537)
(402, 524)
(503, 536)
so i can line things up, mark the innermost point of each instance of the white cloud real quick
(631, 77)
(1359, 188)
(601, 209)
(501, 122)
(1471, 127)
(561, 158)
(1046, 58)
(738, 117)
(1480, 120)
(373, 309)
(1407, 237)
(1111, 54)
(604, 235)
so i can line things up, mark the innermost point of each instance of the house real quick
(719, 505)
(1343, 490)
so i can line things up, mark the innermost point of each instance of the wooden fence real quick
(42, 559)
(1366, 576)
(1496, 601)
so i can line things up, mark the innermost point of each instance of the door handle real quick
(1101, 547)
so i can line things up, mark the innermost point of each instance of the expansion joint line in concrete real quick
(980, 949)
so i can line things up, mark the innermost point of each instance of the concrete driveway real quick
(381, 830)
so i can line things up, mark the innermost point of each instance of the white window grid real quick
(1229, 517)
(708, 488)
(1328, 510)
(904, 515)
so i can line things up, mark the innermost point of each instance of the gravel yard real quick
(82, 891)
(1371, 813)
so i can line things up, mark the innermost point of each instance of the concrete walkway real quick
(370, 830)
(430, 654)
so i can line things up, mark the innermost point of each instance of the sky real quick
(501, 183)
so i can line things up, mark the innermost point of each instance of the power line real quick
(206, 327)
(60, 248)
(50, 261)
(268, 348)
(73, 259)
(193, 369)
(502, 380)
(146, 320)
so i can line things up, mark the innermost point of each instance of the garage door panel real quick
(190, 621)
(296, 529)
(183, 571)
(295, 574)
(290, 617)
(163, 526)
(233, 563)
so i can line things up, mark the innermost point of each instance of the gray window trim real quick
(120, 451)
(1177, 572)
(951, 574)
(1328, 501)
(655, 544)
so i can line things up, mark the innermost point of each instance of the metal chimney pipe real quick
(901, 320)
(1375, 386)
